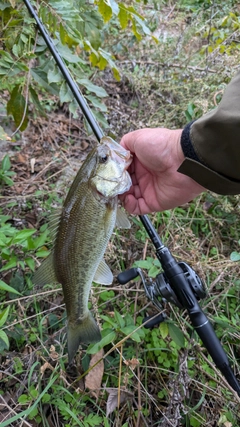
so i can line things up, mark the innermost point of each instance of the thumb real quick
(128, 141)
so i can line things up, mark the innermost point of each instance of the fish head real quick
(111, 177)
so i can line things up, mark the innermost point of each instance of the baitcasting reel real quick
(161, 286)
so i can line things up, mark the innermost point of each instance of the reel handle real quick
(127, 275)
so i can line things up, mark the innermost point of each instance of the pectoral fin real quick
(103, 275)
(122, 220)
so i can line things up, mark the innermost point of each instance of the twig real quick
(168, 65)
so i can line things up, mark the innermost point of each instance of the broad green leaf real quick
(6, 163)
(7, 288)
(73, 108)
(42, 254)
(135, 31)
(6, 56)
(105, 10)
(102, 63)
(235, 256)
(4, 338)
(10, 264)
(96, 103)
(135, 337)
(7, 180)
(35, 100)
(163, 329)
(123, 16)
(33, 413)
(129, 330)
(41, 239)
(4, 315)
(41, 78)
(66, 54)
(104, 341)
(94, 59)
(114, 6)
(65, 38)
(65, 93)
(109, 320)
(116, 74)
(176, 335)
(119, 319)
(109, 58)
(17, 107)
(142, 24)
(30, 263)
(146, 263)
(153, 271)
(54, 75)
(97, 90)
(23, 235)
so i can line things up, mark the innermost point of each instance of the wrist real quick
(179, 155)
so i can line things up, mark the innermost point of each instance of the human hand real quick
(156, 184)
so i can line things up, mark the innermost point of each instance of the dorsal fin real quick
(54, 220)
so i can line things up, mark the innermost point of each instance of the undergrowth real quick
(135, 376)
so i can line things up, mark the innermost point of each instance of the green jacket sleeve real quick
(211, 145)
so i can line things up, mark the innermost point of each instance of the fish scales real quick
(85, 227)
(83, 248)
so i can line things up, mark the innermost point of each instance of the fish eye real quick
(103, 159)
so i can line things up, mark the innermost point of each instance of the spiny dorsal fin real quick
(103, 275)
(45, 273)
(53, 224)
(122, 220)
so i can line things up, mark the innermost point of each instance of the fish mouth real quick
(125, 157)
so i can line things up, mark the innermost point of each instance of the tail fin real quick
(87, 331)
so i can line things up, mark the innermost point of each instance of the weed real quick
(5, 172)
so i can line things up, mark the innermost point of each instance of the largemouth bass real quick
(84, 228)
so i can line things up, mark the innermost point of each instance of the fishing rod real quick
(178, 284)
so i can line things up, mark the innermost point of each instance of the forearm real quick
(211, 145)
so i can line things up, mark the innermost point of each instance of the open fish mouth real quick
(111, 177)
(122, 156)
(119, 185)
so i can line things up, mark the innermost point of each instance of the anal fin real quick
(103, 275)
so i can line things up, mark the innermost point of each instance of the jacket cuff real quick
(193, 167)
(186, 143)
(208, 178)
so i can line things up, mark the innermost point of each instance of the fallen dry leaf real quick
(113, 398)
(53, 354)
(132, 363)
(45, 366)
(93, 379)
